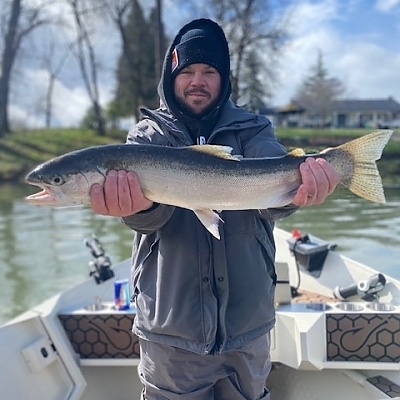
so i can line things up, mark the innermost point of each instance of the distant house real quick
(346, 113)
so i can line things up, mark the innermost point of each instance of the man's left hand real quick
(319, 180)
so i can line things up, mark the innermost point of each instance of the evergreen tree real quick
(317, 92)
(129, 93)
(158, 43)
(254, 91)
(136, 72)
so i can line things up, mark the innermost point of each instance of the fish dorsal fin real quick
(216, 151)
(298, 152)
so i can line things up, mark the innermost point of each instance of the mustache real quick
(197, 91)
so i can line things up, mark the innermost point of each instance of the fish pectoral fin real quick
(210, 220)
(216, 151)
(284, 199)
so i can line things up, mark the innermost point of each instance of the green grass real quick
(298, 136)
(20, 151)
(309, 132)
(389, 165)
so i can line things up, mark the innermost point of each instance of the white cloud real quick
(70, 105)
(387, 5)
(70, 102)
(366, 75)
(308, 16)
(20, 117)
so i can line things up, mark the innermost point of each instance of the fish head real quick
(65, 181)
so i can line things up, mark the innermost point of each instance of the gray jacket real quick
(191, 290)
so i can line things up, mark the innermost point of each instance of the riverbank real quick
(21, 151)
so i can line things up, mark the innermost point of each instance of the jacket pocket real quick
(139, 264)
(268, 251)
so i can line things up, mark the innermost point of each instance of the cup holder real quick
(350, 307)
(95, 307)
(381, 306)
(98, 305)
(318, 306)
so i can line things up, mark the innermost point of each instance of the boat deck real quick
(306, 296)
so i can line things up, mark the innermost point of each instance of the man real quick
(204, 306)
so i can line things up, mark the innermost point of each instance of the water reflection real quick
(365, 231)
(42, 250)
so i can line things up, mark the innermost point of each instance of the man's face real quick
(197, 87)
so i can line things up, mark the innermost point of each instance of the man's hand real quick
(120, 195)
(319, 180)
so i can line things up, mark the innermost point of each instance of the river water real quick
(42, 250)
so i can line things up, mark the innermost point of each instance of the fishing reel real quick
(367, 289)
(100, 266)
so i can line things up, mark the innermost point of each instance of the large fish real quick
(205, 178)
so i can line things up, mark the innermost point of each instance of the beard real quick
(189, 111)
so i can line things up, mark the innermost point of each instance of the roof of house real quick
(389, 104)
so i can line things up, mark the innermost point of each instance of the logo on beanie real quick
(174, 61)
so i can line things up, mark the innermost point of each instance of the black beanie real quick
(199, 45)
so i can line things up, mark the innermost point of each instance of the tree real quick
(159, 42)
(317, 92)
(254, 28)
(53, 67)
(130, 92)
(21, 21)
(138, 69)
(86, 56)
(253, 91)
(159, 39)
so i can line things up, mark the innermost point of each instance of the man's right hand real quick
(120, 195)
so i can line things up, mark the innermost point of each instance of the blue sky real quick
(359, 39)
(378, 21)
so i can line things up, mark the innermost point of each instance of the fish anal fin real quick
(216, 151)
(210, 220)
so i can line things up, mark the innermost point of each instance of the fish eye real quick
(57, 180)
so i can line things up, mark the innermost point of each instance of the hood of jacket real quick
(166, 85)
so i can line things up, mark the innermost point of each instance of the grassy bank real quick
(21, 151)
(314, 140)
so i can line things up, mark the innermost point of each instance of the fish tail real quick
(363, 152)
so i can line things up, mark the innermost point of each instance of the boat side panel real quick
(102, 336)
(368, 337)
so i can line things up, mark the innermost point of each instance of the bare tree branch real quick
(53, 72)
(259, 26)
(86, 58)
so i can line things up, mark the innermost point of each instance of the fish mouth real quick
(44, 197)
